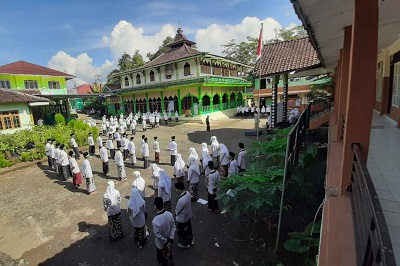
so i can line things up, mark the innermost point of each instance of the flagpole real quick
(259, 82)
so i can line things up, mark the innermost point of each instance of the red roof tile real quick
(10, 96)
(174, 54)
(25, 68)
(286, 56)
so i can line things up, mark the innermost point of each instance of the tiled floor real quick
(384, 168)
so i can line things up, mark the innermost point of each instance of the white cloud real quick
(81, 66)
(127, 38)
(211, 38)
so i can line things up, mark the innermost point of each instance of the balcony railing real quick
(295, 143)
(319, 108)
(373, 244)
(205, 69)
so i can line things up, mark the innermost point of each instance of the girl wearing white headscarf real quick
(179, 169)
(204, 150)
(193, 153)
(206, 158)
(224, 159)
(155, 174)
(214, 150)
(111, 202)
(194, 178)
(139, 183)
(164, 189)
(137, 214)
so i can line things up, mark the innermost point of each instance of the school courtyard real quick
(46, 221)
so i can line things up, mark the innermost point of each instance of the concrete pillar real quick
(344, 81)
(274, 103)
(362, 81)
(162, 102)
(285, 96)
(338, 76)
(220, 103)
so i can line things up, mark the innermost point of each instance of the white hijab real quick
(194, 165)
(139, 182)
(165, 181)
(206, 159)
(214, 141)
(193, 153)
(111, 193)
(223, 149)
(155, 170)
(135, 202)
(179, 163)
(204, 147)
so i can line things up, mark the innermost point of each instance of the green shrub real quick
(25, 156)
(4, 162)
(60, 120)
(72, 123)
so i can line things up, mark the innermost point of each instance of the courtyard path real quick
(44, 220)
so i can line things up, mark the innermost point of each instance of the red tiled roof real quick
(10, 96)
(84, 89)
(174, 54)
(180, 38)
(286, 56)
(25, 68)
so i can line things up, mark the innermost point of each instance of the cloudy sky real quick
(85, 38)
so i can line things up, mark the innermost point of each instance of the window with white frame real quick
(54, 84)
(396, 85)
(168, 71)
(379, 83)
(5, 84)
(9, 119)
(126, 81)
(31, 84)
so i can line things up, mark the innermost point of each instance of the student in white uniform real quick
(74, 146)
(91, 144)
(110, 146)
(99, 141)
(233, 168)
(104, 160)
(242, 158)
(132, 152)
(146, 154)
(173, 149)
(224, 160)
(48, 152)
(88, 175)
(183, 214)
(156, 148)
(119, 161)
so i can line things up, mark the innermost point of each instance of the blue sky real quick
(37, 30)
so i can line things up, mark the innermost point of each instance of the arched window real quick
(126, 81)
(152, 76)
(186, 69)
(138, 81)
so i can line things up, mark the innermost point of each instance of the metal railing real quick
(319, 108)
(373, 244)
(206, 108)
(295, 143)
(342, 125)
(216, 107)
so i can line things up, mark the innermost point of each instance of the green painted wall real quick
(17, 82)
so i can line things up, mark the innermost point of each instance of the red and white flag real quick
(260, 43)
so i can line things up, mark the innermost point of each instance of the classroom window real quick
(31, 84)
(186, 69)
(54, 84)
(5, 84)
(9, 119)
(138, 80)
(152, 76)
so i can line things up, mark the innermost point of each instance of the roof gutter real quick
(307, 26)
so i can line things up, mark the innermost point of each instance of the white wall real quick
(193, 72)
(156, 76)
(24, 115)
(123, 81)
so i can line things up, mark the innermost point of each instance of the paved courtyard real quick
(44, 220)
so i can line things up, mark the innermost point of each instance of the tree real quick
(288, 34)
(161, 50)
(244, 52)
(113, 80)
(137, 60)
